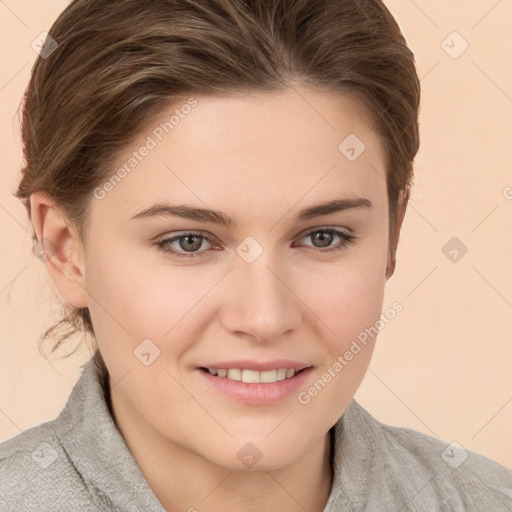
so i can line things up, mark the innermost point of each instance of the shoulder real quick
(461, 479)
(36, 474)
(404, 469)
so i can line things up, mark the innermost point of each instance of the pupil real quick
(195, 246)
(323, 236)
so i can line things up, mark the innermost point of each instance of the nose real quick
(261, 303)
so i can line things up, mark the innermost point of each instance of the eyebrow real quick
(217, 217)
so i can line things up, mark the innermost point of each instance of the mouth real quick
(254, 376)
(253, 387)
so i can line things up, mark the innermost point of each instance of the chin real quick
(256, 455)
(275, 462)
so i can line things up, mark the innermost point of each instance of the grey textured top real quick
(80, 462)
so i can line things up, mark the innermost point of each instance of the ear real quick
(395, 232)
(60, 247)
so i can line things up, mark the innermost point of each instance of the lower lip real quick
(257, 393)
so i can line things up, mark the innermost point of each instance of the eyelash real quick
(346, 240)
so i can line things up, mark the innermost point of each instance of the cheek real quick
(348, 306)
(137, 299)
(347, 296)
(347, 303)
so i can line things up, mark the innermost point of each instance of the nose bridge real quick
(262, 303)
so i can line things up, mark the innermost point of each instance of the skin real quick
(260, 159)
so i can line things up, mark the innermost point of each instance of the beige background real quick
(442, 366)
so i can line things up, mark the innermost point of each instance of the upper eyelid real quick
(337, 232)
(325, 228)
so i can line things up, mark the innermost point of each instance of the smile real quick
(253, 387)
(252, 376)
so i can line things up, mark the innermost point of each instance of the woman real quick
(217, 189)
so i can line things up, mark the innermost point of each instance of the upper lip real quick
(246, 364)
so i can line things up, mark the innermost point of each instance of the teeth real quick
(281, 374)
(234, 374)
(250, 376)
(268, 376)
(253, 376)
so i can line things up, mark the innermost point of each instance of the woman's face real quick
(269, 291)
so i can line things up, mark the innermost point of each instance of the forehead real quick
(246, 148)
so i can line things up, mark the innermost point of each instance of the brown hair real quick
(118, 62)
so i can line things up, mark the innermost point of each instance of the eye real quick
(187, 245)
(324, 236)
(188, 242)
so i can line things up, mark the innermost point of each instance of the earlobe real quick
(60, 248)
